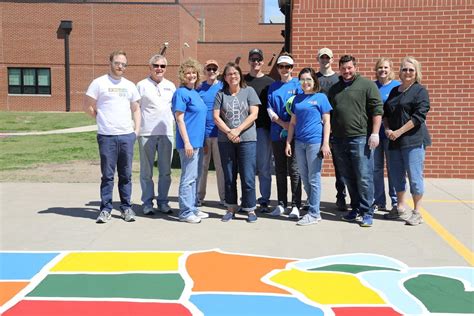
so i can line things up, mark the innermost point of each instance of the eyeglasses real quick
(285, 66)
(303, 80)
(408, 70)
(159, 66)
(256, 60)
(117, 63)
(213, 69)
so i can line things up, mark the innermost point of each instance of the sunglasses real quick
(408, 70)
(213, 69)
(159, 66)
(117, 63)
(285, 66)
(256, 60)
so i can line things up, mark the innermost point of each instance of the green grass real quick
(19, 152)
(42, 121)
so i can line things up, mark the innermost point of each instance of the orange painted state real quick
(9, 289)
(215, 271)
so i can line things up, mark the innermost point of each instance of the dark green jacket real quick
(353, 106)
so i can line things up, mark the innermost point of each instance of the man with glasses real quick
(260, 82)
(113, 101)
(208, 91)
(156, 135)
(355, 121)
(327, 78)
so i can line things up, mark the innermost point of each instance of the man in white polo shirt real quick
(156, 134)
(113, 101)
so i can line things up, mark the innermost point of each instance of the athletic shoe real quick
(367, 221)
(295, 213)
(128, 215)
(165, 208)
(103, 217)
(192, 219)
(252, 217)
(227, 217)
(397, 214)
(308, 220)
(148, 210)
(278, 210)
(415, 219)
(352, 216)
(201, 214)
(264, 208)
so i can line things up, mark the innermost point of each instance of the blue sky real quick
(272, 10)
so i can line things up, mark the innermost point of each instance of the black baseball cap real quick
(256, 51)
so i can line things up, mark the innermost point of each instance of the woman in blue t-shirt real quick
(278, 93)
(190, 114)
(310, 126)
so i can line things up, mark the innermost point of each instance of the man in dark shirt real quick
(327, 78)
(260, 82)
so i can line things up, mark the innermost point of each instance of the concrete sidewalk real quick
(45, 216)
(81, 129)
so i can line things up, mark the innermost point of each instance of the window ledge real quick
(29, 95)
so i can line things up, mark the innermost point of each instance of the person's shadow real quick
(84, 212)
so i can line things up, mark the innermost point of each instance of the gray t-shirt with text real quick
(235, 109)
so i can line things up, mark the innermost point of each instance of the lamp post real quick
(66, 27)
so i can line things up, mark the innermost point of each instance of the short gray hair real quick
(157, 57)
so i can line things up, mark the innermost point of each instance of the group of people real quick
(294, 122)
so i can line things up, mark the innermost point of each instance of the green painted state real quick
(350, 268)
(440, 294)
(134, 285)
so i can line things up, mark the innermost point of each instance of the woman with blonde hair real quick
(385, 82)
(404, 119)
(190, 114)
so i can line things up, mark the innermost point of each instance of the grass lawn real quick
(42, 121)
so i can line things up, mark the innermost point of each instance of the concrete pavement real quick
(58, 216)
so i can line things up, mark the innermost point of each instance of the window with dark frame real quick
(29, 81)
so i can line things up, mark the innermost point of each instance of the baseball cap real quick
(325, 51)
(211, 62)
(285, 59)
(256, 51)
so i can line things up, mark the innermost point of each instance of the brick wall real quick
(440, 34)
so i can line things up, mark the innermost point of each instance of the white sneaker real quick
(202, 214)
(295, 213)
(193, 219)
(277, 211)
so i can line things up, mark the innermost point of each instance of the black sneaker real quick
(264, 208)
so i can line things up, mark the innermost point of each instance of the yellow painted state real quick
(118, 262)
(328, 288)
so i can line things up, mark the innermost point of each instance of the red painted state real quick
(81, 308)
(365, 311)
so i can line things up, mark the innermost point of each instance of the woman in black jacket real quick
(404, 119)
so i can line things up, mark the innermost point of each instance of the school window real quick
(29, 81)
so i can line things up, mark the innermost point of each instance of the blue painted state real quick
(250, 305)
(22, 266)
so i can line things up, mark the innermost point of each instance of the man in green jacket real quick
(355, 122)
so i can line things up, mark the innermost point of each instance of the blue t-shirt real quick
(384, 92)
(309, 110)
(190, 103)
(278, 93)
(208, 95)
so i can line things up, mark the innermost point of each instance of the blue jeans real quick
(380, 153)
(264, 164)
(355, 162)
(309, 166)
(408, 161)
(188, 183)
(239, 158)
(149, 147)
(116, 151)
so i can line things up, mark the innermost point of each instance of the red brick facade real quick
(439, 33)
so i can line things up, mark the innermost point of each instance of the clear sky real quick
(272, 10)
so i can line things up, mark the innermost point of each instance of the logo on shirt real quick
(121, 92)
(313, 102)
